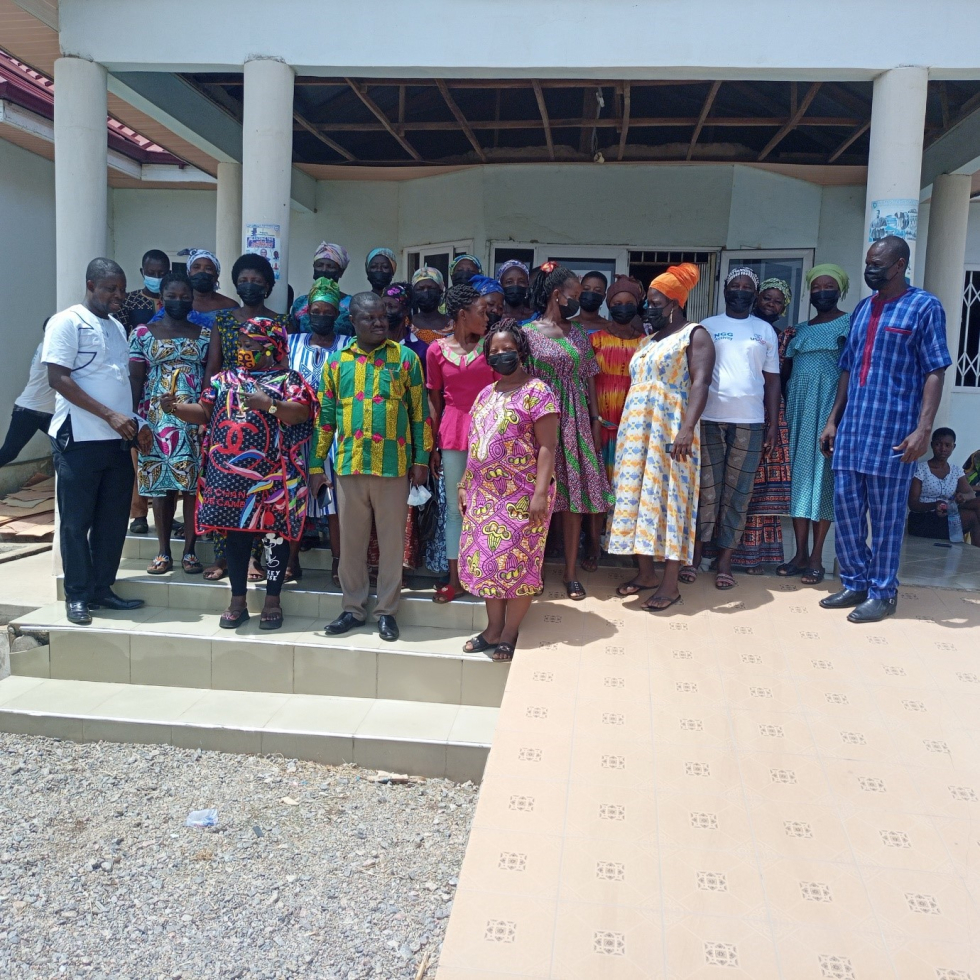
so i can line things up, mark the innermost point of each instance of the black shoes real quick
(111, 601)
(343, 623)
(388, 628)
(139, 526)
(843, 599)
(873, 611)
(77, 612)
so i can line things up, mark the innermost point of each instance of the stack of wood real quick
(28, 514)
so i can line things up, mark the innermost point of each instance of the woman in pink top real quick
(456, 372)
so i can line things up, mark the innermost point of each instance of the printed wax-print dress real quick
(172, 365)
(565, 364)
(255, 474)
(613, 355)
(500, 551)
(656, 495)
(810, 396)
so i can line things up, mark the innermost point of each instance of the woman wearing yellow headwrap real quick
(810, 375)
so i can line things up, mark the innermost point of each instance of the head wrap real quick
(387, 253)
(472, 258)
(782, 285)
(427, 272)
(834, 271)
(485, 285)
(269, 334)
(396, 289)
(193, 254)
(324, 291)
(742, 271)
(513, 264)
(626, 284)
(677, 282)
(336, 253)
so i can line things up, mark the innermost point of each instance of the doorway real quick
(788, 264)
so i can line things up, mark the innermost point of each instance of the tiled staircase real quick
(168, 673)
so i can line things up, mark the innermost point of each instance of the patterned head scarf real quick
(677, 282)
(193, 254)
(484, 285)
(782, 285)
(324, 291)
(742, 271)
(387, 253)
(513, 264)
(269, 334)
(335, 253)
(427, 272)
(399, 291)
(626, 284)
(834, 271)
(471, 258)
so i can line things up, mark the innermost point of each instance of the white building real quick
(612, 134)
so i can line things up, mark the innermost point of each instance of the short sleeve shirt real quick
(934, 488)
(891, 348)
(744, 349)
(96, 351)
(37, 394)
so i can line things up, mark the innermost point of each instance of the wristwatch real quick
(274, 407)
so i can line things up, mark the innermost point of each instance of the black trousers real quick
(94, 486)
(24, 422)
(238, 550)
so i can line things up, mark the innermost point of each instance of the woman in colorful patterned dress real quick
(658, 452)
(562, 357)
(168, 355)
(507, 491)
(259, 417)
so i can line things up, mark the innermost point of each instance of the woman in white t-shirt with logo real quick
(32, 412)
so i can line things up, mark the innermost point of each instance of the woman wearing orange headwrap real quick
(658, 452)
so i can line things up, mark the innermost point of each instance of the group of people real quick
(511, 401)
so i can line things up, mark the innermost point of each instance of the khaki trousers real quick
(358, 497)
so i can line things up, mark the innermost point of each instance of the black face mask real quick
(329, 272)
(322, 323)
(505, 363)
(876, 278)
(492, 318)
(623, 312)
(569, 308)
(462, 278)
(515, 295)
(395, 319)
(770, 318)
(654, 318)
(590, 301)
(379, 279)
(427, 300)
(824, 300)
(739, 300)
(252, 293)
(177, 309)
(203, 282)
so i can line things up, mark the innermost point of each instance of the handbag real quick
(427, 515)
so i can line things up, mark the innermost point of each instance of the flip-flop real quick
(575, 590)
(590, 563)
(658, 609)
(227, 622)
(215, 573)
(724, 582)
(271, 622)
(160, 565)
(688, 574)
(478, 644)
(813, 576)
(445, 593)
(789, 570)
(191, 565)
(755, 570)
(635, 588)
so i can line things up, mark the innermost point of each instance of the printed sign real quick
(895, 216)
(265, 240)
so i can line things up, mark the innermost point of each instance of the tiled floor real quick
(750, 787)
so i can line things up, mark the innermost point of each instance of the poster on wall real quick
(266, 241)
(895, 216)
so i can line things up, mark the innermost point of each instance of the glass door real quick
(435, 256)
(788, 264)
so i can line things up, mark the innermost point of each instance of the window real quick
(436, 256)
(791, 265)
(968, 355)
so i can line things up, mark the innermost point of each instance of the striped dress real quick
(613, 355)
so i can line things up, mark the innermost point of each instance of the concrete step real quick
(185, 647)
(418, 738)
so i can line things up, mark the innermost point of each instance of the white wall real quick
(841, 235)
(27, 290)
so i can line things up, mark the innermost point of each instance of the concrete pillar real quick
(949, 213)
(228, 225)
(80, 162)
(898, 115)
(267, 151)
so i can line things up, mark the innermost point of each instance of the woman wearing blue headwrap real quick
(463, 268)
(494, 293)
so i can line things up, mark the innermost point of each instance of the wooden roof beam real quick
(705, 109)
(625, 128)
(361, 92)
(793, 121)
(313, 131)
(856, 134)
(461, 119)
(543, 109)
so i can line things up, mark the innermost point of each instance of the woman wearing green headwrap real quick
(308, 356)
(810, 375)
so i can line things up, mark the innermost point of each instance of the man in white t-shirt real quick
(33, 409)
(739, 421)
(92, 430)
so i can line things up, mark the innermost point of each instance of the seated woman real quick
(942, 503)
(259, 418)
(507, 492)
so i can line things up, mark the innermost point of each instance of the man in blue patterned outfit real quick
(892, 369)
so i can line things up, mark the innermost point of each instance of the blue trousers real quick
(885, 499)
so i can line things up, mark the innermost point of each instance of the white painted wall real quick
(772, 211)
(841, 233)
(27, 289)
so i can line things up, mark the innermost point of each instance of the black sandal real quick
(789, 570)
(662, 598)
(227, 623)
(813, 576)
(575, 590)
(271, 622)
(635, 588)
(590, 563)
(478, 644)
(504, 653)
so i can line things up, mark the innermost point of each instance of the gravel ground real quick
(312, 871)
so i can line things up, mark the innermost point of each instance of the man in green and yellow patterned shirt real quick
(373, 401)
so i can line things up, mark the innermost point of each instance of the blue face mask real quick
(152, 283)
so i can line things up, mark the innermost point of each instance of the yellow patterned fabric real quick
(375, 404)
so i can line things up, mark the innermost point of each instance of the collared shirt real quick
(375, 404)
(96, 352)
(37, 394)
(891, 348)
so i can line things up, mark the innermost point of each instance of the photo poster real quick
(897, 216)
(265, 240)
